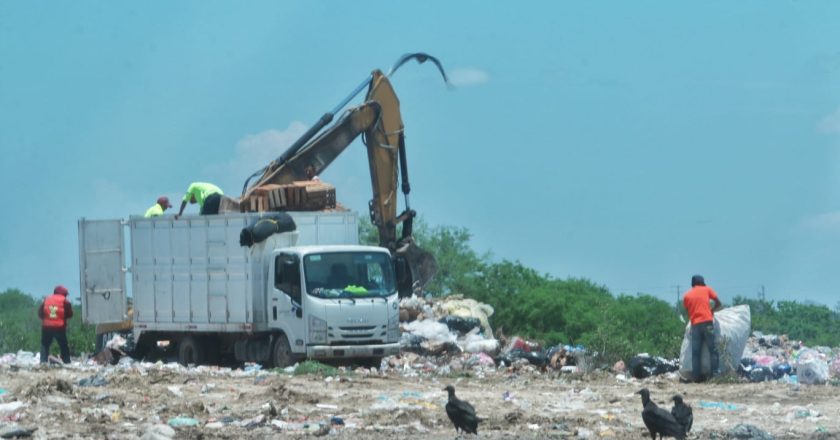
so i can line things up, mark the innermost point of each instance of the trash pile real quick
(453, 333)
(776, 357)
(447, 325)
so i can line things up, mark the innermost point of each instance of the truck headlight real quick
(317, 330)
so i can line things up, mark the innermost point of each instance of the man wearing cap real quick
(157, 210)
(54, 313)
(207, 195)
(697, 303)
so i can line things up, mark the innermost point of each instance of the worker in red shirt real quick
(697, 303)
(54, 313)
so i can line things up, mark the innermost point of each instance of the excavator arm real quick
(378, 120)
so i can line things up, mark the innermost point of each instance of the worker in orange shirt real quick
(697, 303)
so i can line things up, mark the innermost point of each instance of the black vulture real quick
(659, 421)
(461, 413)
(682, 413)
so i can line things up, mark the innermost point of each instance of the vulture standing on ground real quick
(658, 420)
(682, 413)
(461, 413)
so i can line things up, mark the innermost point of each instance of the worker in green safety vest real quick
(207, 195)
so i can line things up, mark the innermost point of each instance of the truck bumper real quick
(351, 351)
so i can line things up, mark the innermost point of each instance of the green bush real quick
(20, 328)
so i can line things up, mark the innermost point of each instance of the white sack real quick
(732, 328)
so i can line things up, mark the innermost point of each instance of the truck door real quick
(286, 300)
(102, 271)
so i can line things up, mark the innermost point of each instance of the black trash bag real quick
(745, 367)
(761, 374)
(536, 358)
(460, 324)
(780, 370)
(645, 366)
(266, 226)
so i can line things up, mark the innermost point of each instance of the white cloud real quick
(830, 123)
(468, 76)
(826, 222)
(253, 152)
(257, 150)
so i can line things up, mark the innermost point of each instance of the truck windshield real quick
(349, 275)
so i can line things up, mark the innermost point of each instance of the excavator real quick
(379, 122)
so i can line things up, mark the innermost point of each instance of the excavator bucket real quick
(421, 267)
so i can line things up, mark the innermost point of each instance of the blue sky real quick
(631, 143)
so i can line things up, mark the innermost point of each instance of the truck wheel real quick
(281, 353)
(190, 351)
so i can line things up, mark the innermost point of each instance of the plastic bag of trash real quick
(478, 344)
(732, 329)
(431, 330)
(466, 308)
(761, 374)
(811, 367)
(517, 343)
(460, 324)
(534, 358)
(265, 226)
(644, 365)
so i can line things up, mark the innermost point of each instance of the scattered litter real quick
(11, 407)
(15, 431)
(748, 432)
(93, 381)
(158, 432)
(177, 422)
(176, 391)
(719, 405)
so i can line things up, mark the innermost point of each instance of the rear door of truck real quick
(102, 271)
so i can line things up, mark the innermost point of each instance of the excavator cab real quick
(378, 120)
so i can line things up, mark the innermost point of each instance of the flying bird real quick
(461, 413)
(682, 413)
(658, 420)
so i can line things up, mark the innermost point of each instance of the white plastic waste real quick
(474, 343)
(811, 367)
(431, 330)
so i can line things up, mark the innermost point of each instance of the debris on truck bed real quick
(308, 195)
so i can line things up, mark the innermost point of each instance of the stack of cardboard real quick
(297, 196)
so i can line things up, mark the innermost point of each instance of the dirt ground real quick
(125, 401)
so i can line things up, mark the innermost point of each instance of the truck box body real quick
(193, 270)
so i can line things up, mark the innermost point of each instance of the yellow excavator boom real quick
(379, 121)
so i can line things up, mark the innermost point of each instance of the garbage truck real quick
(312, 292)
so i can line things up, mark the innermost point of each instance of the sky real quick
(630, 143)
